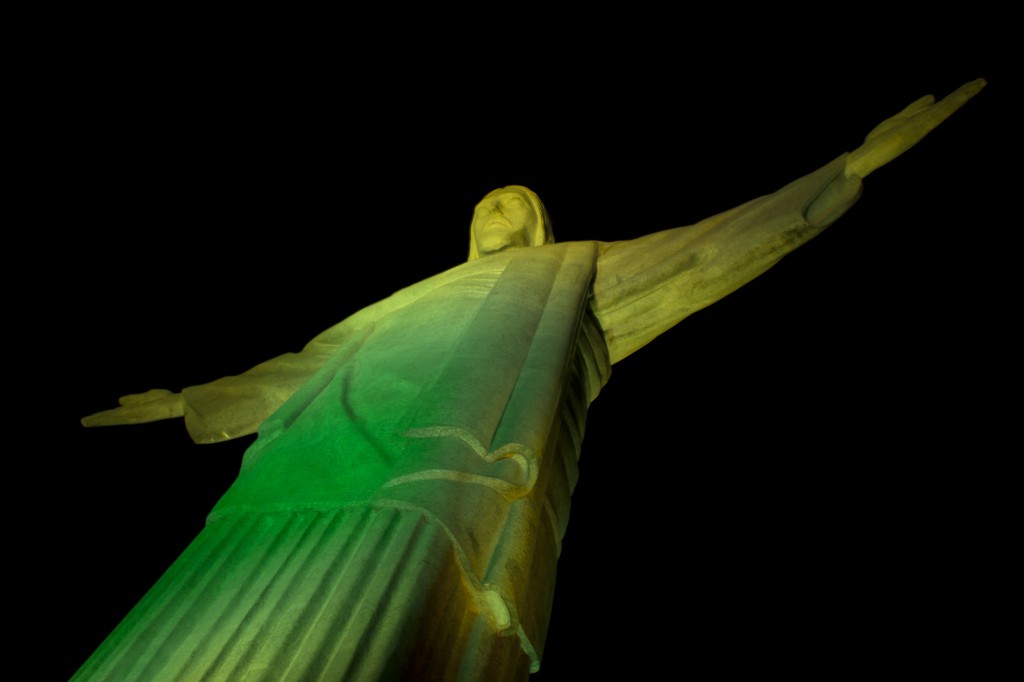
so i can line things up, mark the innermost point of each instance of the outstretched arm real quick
(140, 408)
(233, 406)
(236, 406)
(895, 135)
(647, 285)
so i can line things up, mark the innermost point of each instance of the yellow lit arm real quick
(896, 135)
(232, 406)
(647, 285)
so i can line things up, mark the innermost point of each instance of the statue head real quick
(507, 218)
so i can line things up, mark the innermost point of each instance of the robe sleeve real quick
(645, 286)
(235, 406)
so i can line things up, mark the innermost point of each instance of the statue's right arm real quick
(232, 406)
(236, 406)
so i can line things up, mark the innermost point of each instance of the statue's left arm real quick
(647, 285)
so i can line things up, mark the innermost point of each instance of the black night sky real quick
(797, 479)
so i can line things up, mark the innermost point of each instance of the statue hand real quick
(139, 408)
(896, 135)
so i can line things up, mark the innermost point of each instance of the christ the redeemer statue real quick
(399, 516)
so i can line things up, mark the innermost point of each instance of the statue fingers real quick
(923, 121)
(113, 417)
(949, 104)
(924, 114)
(140, 408)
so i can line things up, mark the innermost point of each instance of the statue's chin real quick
(490, 246)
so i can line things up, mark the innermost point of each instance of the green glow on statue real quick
(401, 512)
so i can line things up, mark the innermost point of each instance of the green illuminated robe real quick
(400, 514)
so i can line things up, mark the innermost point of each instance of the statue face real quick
(504, 219)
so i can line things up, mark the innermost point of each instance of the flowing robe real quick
(400, 514)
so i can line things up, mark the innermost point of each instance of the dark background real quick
(803, 478)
